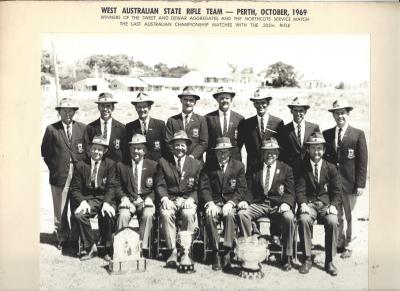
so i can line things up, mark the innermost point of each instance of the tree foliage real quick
(112, 64)
(282, 75)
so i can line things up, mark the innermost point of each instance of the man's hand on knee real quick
(107, 208)
(83, 207)
(283, 208)
(331, 210)
(304, 208)
(243, 205)
(211, 209)
(227, 208)
(188, 203)
(167, 204)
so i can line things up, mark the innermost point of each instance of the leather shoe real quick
(340, 250)
(306, 267)
(171, 261)
(287, 264)
(92, 253)
(226, 261)
(331, 269)
(346, 254)
(216, 266)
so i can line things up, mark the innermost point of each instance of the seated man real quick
(177, 189)
(223, 186)
(135, 189)
(271, 193)
(318, 193)
(92, 188)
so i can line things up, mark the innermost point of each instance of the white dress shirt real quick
(271, 174)
(142, 124)
(92, 162)
(302, 130)
(184, 118)
(182, 162)
(221, 119)
(344, 128)
(319, 164)
(265, 119)
(65, 128)
(140, 165)
(108, 128)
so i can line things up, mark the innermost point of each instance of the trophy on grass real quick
(185, 262)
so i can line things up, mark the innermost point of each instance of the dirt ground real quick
(58, 272)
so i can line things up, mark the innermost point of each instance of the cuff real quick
(164, 198)
(231, 202)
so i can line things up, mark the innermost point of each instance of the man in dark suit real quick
(153, 129)
(193, 124)
(294, 135)
(270, 192)
(347, 149)
(257, 128)
(318, 194)
(62, 147)
(112, 130)
(92, 189)
(223, 122)
(136, 182)
(223, 186)
(177, 188)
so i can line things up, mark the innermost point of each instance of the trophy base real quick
(186, 269)
(251, 274)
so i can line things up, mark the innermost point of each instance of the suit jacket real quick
(219, 187)
(282, 188)
(81, 188)
(116, 148)
(125, 180)
(171, 185)
(196, 130)
(328, 189)
(214, 132)
(155, 138)
(292, 152)
(351, 159)
(57, 151)
(249, 135)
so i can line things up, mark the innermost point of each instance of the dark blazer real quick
(171, 185)
(214, 132)
(328, 190)
(221, 187)
(351, 159)
(292, 153)
(81, 188)
(116, 146)
(147, 181)
(57, 150)
(249, 135)
(282, 187)
(155, 138)
(196, 130)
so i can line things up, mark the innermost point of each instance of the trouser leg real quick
(246, 216)
(124, 216)
(349, 202)
(188, 219)
(167, 218)
(212, 231)
(288, 225)
(146, 226)
(229, 228)
(83, 221)
(331, 236)
(306, 221)
(106, 228)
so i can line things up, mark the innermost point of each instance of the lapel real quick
(150, 126)
(293, 134)
(323, 174)
(101, 172)
(192, 119)
(255, 125)
(174, 170)
(97, 126)
(276, 174)
(112, 133)
(259, 175)
(130, 174)
(346, 136)
(307, 132)
(143, 177)
(180, 122)
(64, 136)
(310, 174)
(218, 123)
(87, 173)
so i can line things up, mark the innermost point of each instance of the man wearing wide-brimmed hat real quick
(153, 129)
(223, 186)
(193, 124)
(223, 122)
(346, 147)
(92, 189)
(62, 147)
(135, 191)
(295, 133)
(270, 192)
(112, 130)
(177, 189)
(318, 194)
(259, 127)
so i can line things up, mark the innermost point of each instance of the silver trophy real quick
(186, 264)
(251, 251)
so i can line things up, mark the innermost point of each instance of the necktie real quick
(186, 121)
(105, 130)
(299, 133)
(339, 138)
(93, 175)
(144, 127)
(266, 183)
(179, 167)
(262, 128)
(136, 179)
(225, 125)
(316, 174)
(69, 135)
(223, 169)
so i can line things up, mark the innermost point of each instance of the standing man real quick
(257, 128)
(318, 194)
(224, 188)
(193, 124)
(177, 189)
(270, 192)
(111, 129)
(92, 189)
(62, 147)
(223, 122)
(347, 149)
(136, 182)
(153, 129)
(295, 134)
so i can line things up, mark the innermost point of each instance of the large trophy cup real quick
(251, 251)
(185, 262)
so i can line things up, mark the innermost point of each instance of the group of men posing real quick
(146, 167)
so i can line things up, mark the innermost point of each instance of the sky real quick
(326, 57)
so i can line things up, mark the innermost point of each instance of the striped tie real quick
(136, 179)
(105, 130)
(316, 174)
(93, 175)
(266, 183)
(299, 133)
(225, 125)
(262, 128)
(178, 166)
(339, 138)
(69, 135)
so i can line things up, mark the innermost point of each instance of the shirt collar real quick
(189, 115)
(221, 113)
(108, 121)
(302, 124)
(145, 120)
(139, 164)
(265, 116)
(182, 160)
(92, 162)
(313, 164)
(65, 125)
(344, 128)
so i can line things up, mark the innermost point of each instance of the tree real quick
(112, 64)
(179, 71)
(282, 75)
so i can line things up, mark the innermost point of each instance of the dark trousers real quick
(229, 222)
(284, 220)
(106, 224)
(318, 211)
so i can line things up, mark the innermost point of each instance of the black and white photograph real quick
(204, 161)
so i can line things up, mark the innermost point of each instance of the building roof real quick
(92, 81)
(162, 81)
(130, 82)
